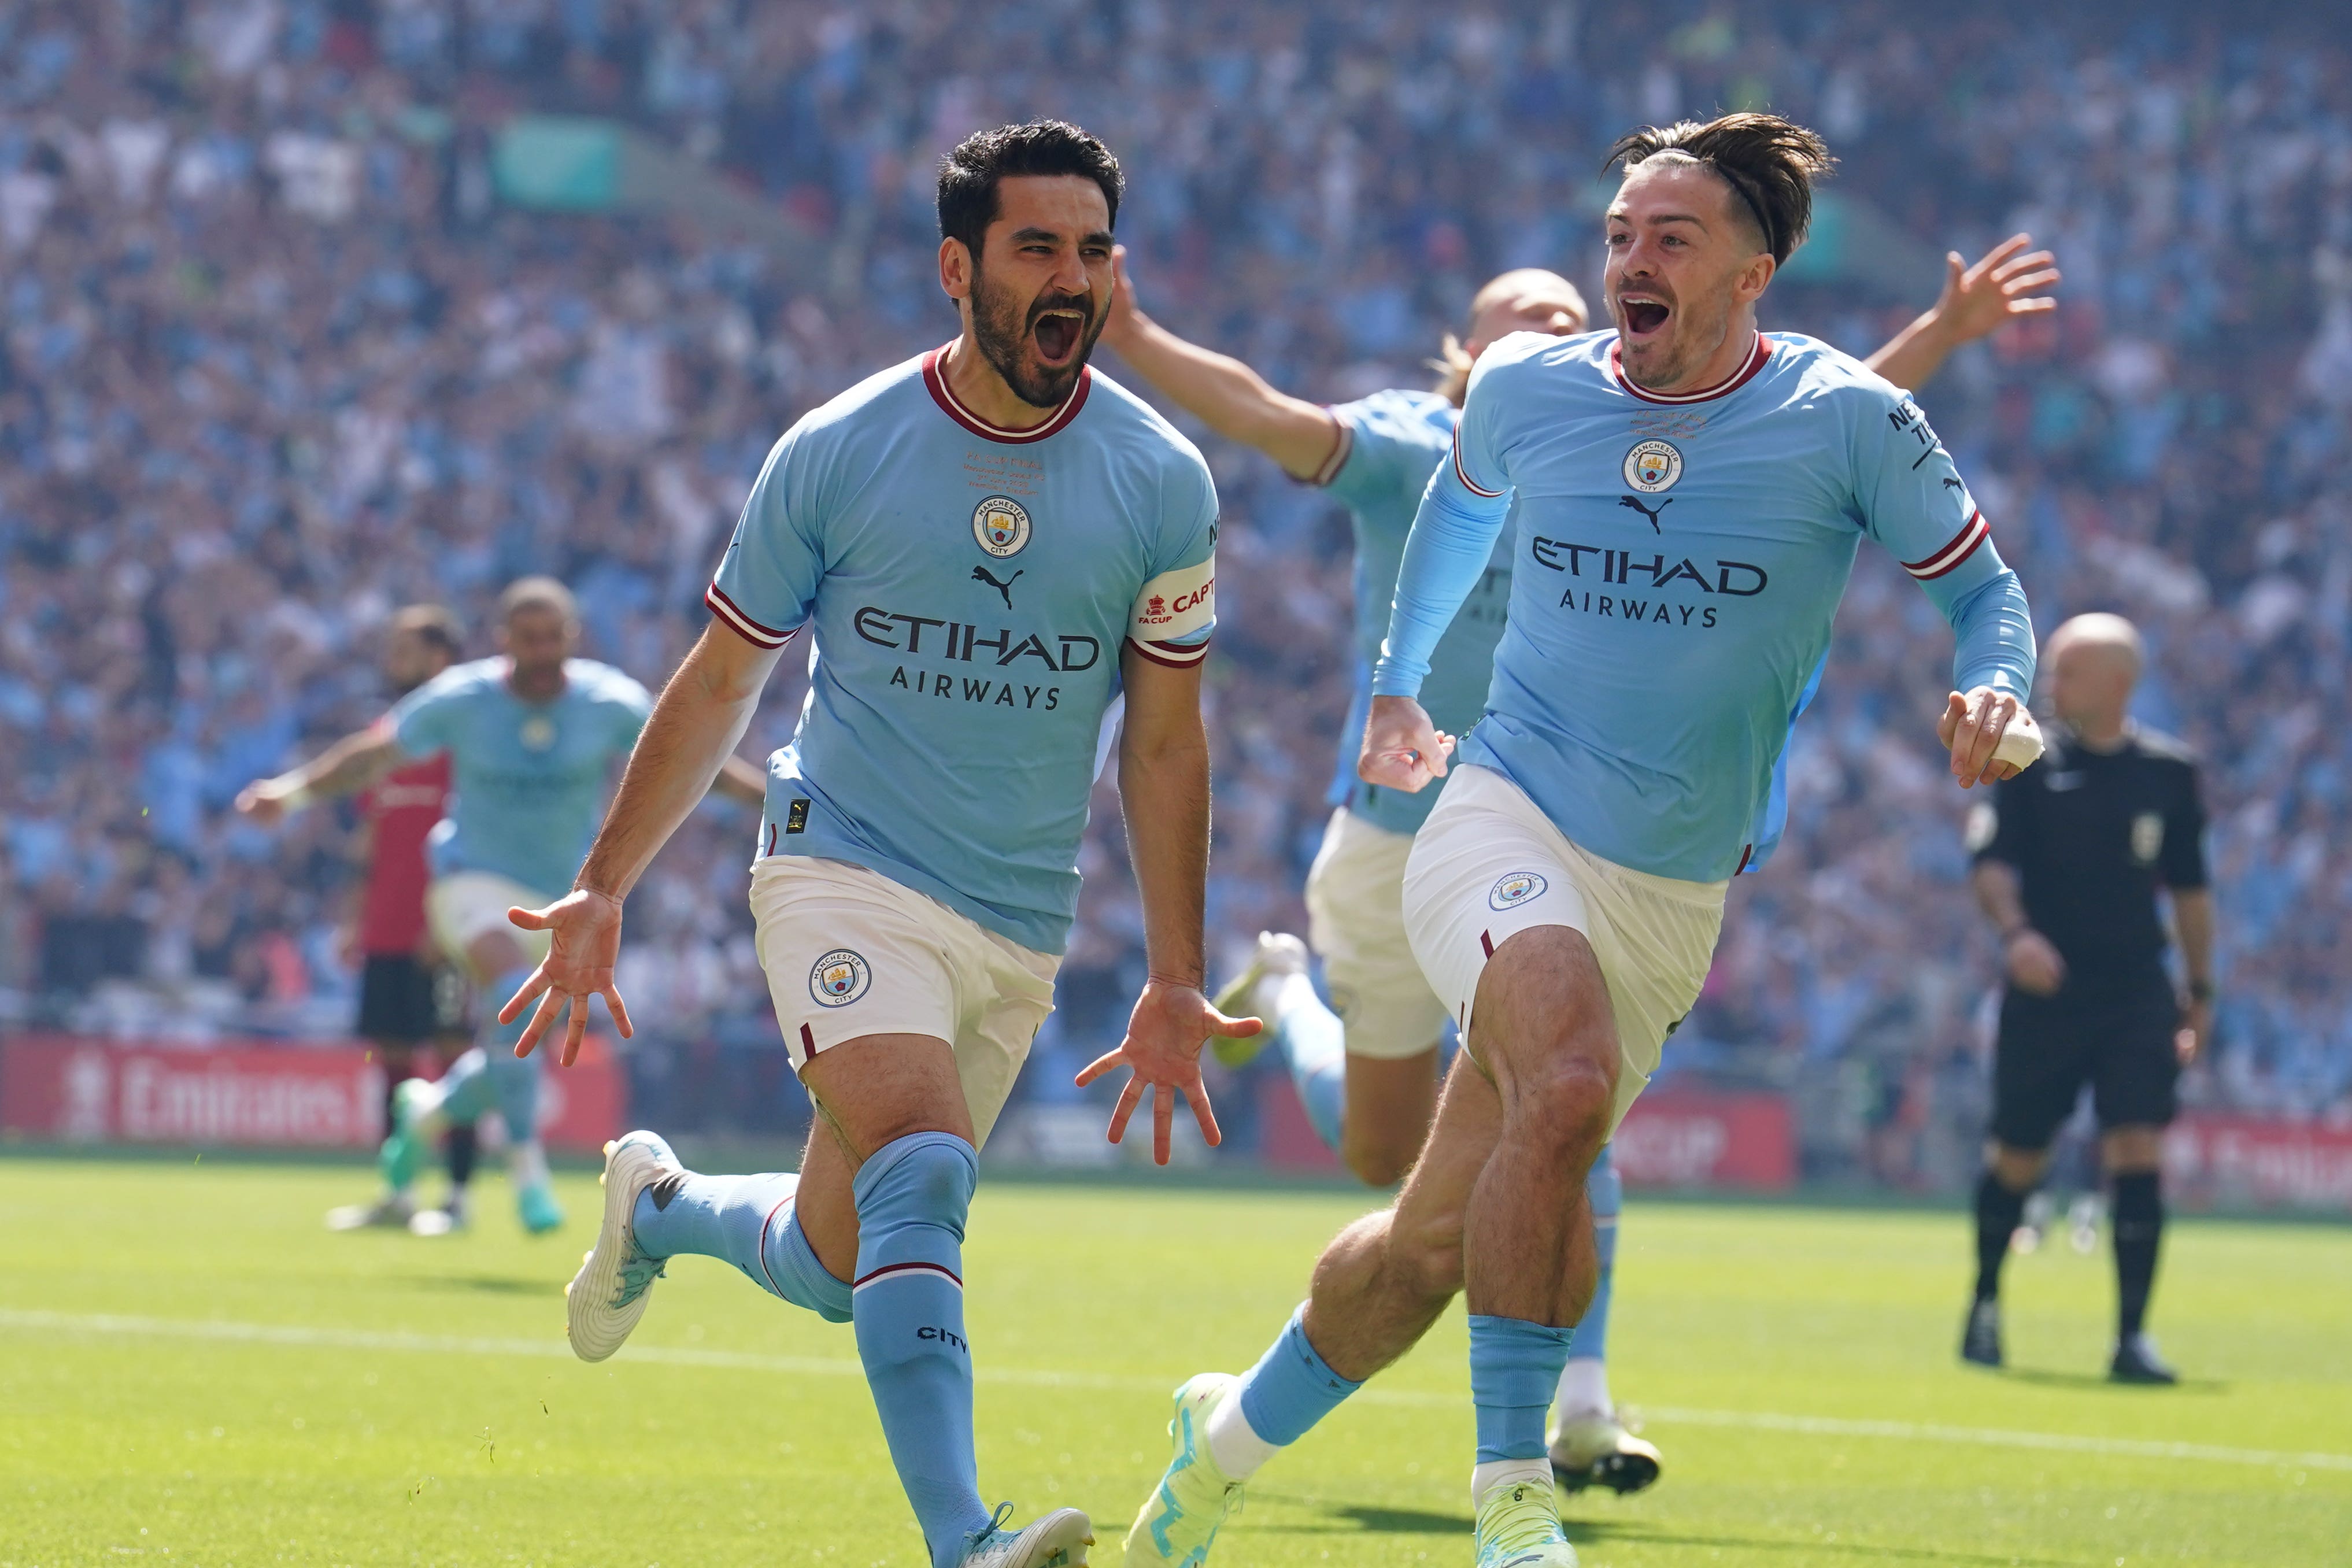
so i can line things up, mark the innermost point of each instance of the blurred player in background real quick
(1366, 1067)
(2070, 860)
(1571, 883)
(408, 993)
(987, 543)
(531, 737)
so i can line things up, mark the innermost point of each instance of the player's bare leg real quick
(1390, 1107)
(1542, 1025)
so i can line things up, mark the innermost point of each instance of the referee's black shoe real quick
(1981, 1341)
(2137, 1362)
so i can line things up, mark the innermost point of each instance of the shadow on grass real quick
(1354, 1519)
(2045, 1378)
(487, 1284)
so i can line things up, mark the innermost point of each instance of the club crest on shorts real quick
(1001, 526)
(1653, 466)
(839, 978)
(1517, 889)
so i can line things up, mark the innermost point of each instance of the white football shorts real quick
(849, 953)
(463, 906)
(1354, 913)
(1488, 864)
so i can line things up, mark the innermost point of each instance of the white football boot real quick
(607, 1297)
(1057, 1541)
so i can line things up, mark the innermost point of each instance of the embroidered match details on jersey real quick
(527, 779)
(968, 590)
(1677, 564)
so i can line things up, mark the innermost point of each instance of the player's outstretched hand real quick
(1124, 313)
(1402, 750)
(1991, 734)
(584, 931)
(265, 801)
(2002, 287)
(1162, 1050)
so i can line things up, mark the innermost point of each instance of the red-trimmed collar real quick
(1738, 378)
(935, 377)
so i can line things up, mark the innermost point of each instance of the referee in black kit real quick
(2070, 857)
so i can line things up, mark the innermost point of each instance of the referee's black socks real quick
(1999, 1210)
(2138, 1227)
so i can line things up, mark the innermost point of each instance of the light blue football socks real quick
(490, 1074)
(1291, 1387)
(750, 1222)
(1514, 1367)
(913, 1196)
(1314, 1045)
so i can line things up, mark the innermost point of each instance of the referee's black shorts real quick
(406, 1001)
(2116, 1038)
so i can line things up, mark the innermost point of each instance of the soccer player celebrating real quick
(2069, 862)
(531, 735)
(1690, 494)
(986, 544)
(1366, 1066)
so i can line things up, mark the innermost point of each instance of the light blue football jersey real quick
(527, 779)
(1679, 562)
(969, 589)
(1390, 444)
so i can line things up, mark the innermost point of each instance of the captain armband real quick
(1174, 613)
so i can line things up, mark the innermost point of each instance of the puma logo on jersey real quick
(982, 574)
(1649, 511)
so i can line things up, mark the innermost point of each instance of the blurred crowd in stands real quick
(275, 359)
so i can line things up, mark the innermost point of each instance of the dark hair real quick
(434, 624)
(1771, 164)
(968, 176)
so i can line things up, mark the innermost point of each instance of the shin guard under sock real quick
(912, 1197)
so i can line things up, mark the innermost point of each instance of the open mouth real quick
(1058, 333)
(1643, 317)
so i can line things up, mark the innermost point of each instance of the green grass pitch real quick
(192, 1371)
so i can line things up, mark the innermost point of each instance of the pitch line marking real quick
(295, 1334)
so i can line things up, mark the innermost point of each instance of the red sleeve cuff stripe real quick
(1468, 483)
(743, 626)
(1169, 654)
(1343, 444)
(1973, 532)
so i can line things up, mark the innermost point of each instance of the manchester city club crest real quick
(839, 978)
(537, 733)
(1653, 466)
(1000, 525)
(1517, 889)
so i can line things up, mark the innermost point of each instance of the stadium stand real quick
(278, 354)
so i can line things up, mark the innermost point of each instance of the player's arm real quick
(2029, 958)
(2192, 927)
(745, 782)
(352, 763)
(1220, 391)
(1163, 794)
(2002, 286)
(691, 734)
(1452, 542)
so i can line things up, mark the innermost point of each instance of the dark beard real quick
(999, 325)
